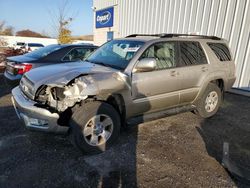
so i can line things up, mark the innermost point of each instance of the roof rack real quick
(170, 35)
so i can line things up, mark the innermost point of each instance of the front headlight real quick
(27, 87)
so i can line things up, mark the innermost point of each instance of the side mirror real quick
(146, 65)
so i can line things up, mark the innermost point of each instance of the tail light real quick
(22, 68)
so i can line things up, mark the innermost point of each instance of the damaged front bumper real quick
(35, 118)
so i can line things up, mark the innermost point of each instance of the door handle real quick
(173, 73)
(204, 69)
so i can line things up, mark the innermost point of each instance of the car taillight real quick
(22, 68)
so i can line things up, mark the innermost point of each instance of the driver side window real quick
(164, 54)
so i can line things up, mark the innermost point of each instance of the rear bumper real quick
(35, 118)
(12, 80)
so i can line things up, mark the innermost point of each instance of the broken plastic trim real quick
(62, 97)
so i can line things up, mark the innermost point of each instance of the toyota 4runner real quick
(126, 81)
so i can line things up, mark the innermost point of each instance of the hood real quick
(21, 59)
(61, 74)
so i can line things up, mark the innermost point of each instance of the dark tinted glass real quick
(20, 43)
(35, 45)
(191, 53)
(221, 51)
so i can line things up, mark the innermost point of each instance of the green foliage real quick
(64, 35)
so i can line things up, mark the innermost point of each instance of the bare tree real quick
(9, 30)
(3, 42)
(6, 30)
(2, 23)
(60, 22)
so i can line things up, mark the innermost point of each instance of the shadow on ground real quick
(227, 137)
(38, 159)
(46, 160)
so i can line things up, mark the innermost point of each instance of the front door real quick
(158, 89)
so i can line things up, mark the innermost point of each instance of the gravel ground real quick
(178, 151)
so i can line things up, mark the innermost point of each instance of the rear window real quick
(42, 52)
(221, 51)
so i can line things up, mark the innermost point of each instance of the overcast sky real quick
(35, 15)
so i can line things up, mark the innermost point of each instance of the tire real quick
(91, 137)
(210, 102)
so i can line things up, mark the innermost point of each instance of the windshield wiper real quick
(104, 64)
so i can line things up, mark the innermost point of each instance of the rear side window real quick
(221, 51)
(191, 53)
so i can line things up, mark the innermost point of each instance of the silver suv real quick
(126, 81)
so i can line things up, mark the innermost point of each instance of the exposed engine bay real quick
(62, 97)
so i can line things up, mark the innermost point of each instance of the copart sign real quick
(104, 18)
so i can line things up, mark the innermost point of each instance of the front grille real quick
(27, 87)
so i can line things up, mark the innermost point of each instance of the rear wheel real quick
(94, 127)
(210, 101)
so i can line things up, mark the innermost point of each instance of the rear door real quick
(193, 68)
(158, 89)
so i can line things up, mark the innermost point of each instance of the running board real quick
(161, 114)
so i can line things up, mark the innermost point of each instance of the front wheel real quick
(210, 102)
(94, 126)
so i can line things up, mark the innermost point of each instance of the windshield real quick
(20, 43)
(35, 45)
(116, 53)
(42, 52)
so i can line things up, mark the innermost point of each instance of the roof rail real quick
(143, 35)
(170, 35)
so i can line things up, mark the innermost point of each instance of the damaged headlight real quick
(41, 95)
